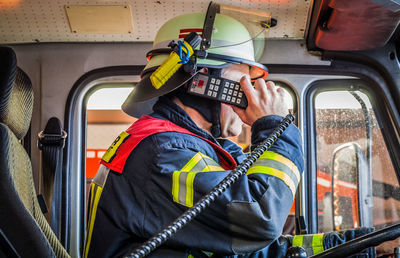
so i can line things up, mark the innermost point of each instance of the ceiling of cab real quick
(27, 21)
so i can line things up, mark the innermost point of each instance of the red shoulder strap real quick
(120, 150)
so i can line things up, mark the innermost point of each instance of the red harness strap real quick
(146, 126)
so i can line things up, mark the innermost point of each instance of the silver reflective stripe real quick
(205, 163)
(278, 165)
(182, 188)
(101, 176)
(183, 180)
(307, 244)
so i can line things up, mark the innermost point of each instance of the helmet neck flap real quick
(209, 109)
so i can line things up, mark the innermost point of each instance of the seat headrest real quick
(16, 94)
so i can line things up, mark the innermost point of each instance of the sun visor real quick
(257, 23)
(339, 29)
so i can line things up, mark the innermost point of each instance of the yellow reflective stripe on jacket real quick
(276, 173)
(298, 240)
(275, 156)
(189, 189)
(210, 168)
(210, 164)
(182, 181)
(175, 186)
(318, 243)
(192, 162)
(313, 243)
(276, 165)
(182, 187)
(201, 163)
(94, 201)
(96, 189)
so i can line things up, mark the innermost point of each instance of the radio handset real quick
(217, 88)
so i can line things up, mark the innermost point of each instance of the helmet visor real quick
(256, 22)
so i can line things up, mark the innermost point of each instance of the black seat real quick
(21, 219)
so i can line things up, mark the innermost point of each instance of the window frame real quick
(385, 118)
(73, 210)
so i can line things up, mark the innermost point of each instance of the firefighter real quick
(166, 161)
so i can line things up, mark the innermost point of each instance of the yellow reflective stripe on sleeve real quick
(192, 162)
(201, 163)
(205, 164)
(210, 164)
(297, 240)
(312, 243)
(175, 186)
(318, 243)
(182, 187)
(97, 190)
(209, 168)
(189, 188)
(276, 173)
(183, 180)
(275, 156)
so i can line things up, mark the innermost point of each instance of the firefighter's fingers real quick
(283, 93)
(281, 102)
(247, 88)
(271, 87)
(256, 99)
(263, 100)
(261, 88)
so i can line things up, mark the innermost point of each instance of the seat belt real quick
(51, 142)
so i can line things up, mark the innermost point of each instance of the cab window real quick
(105, 121)
(356, 181)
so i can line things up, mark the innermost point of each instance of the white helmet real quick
(227, 42)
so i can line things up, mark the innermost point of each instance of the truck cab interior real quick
(64, 65)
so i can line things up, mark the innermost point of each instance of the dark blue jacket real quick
(168, 172)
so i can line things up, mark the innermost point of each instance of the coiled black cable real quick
(157, 240)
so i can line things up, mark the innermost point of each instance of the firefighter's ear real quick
(203, 70)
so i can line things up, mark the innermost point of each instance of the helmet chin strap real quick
(216, 121)
(216, 108)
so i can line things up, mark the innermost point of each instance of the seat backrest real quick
(21, 219)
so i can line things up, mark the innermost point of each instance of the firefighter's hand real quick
(263, 99)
